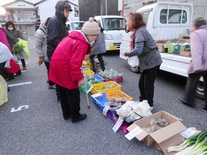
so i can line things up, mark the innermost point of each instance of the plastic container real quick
(100, 101)
(118, 79)
(101, 87)
(118, 94)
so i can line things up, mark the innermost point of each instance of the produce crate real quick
(100, 87)
(89, 73)
(89, 82)
(84, 89)
(98, 77)
(111, 114)
(86, 64)
(100, 101)
(118, 79)
(118, 94)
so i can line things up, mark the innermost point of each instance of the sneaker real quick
(10, 77)
(24, 68)
(18, 73)
(151, 108)
(51, 86)
(66, 117)
(80, 118)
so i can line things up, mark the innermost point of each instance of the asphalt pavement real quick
(31, 122)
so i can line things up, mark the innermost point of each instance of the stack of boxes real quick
(180, 46)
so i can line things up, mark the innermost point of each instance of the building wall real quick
(199, 6)
(91, 8)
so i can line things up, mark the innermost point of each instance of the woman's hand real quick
(81, 82)
(41, 60)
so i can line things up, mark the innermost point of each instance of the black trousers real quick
(47, 65)
(146, 84)
(70, 102)
(100, 59)
(190, 88)
(23, 63)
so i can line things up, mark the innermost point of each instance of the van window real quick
(174, 17)
(145, 16)
(76, 25)
(113, 23)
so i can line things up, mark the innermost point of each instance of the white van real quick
(166, 21)
(74, 25)
(113, 27)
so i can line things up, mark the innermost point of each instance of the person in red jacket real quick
(65, 68)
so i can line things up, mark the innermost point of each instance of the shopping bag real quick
(3, 91)
(133, 61)
(26, 47)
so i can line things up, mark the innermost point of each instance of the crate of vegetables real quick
(88, 82)
(105, 87)
(118, 94)
(86, 64)
(111, 75)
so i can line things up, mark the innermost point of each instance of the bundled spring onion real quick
(187, 142)
(198, 148)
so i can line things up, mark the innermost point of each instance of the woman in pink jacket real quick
(198, 65)
(65, 68)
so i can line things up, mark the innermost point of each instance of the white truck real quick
(166, 21)
(74, 25)
(113, 27)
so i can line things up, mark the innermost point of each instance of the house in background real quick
(28, 14)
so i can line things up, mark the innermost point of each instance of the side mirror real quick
(125, 28)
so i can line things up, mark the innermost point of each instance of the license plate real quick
(112, 47)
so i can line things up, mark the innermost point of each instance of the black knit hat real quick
(61, 5)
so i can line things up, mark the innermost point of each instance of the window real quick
(114, 23)
(145, 16)
(174, 16)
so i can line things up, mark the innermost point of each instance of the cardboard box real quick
(162, 45)
(185, 53)
(162, 135)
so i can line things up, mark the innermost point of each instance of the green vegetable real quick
(199, 147)
(187, 142)
(18, 48)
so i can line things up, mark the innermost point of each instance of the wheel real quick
(200, 90)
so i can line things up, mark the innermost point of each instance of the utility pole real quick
(106, 2)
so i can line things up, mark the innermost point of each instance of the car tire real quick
(200, 90)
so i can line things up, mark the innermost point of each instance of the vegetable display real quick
(194, 145)
(110, 74)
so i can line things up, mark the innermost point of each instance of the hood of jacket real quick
(60, 6)
(43, 27)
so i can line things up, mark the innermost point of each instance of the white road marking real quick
(20, 84)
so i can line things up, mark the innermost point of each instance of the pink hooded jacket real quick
(66, 61)
(198, 44)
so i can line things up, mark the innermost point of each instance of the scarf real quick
(131, 45)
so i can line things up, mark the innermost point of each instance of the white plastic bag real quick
(133, 61)
(3, 91)
(143, 109)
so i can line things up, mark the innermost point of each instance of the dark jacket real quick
(56, 32)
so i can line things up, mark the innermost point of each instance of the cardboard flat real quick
(162, 134)
(162, 45)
